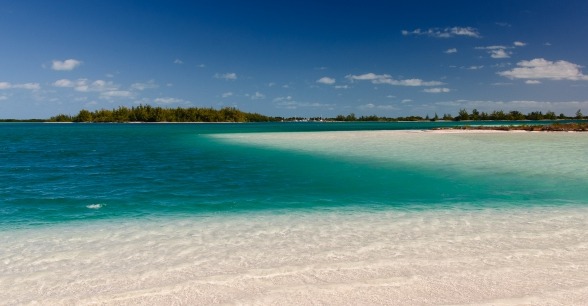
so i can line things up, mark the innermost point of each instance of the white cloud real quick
(178, 61)
(501, 65)
(226, 76)
(116, 94)
(67, 65)
(368, 77)
(341, 86)
(84, 85)
(326, 80)
(3, 98)
(143, 86)
(377, 106)
(282, 99)
(290, 104)
(437, 90)
(450, 51)
(499, 53)
(519, 44)
(63, 83)
(27, 86)
(496, 51)
(494, 47)
(540, 68)
(227, 94)
(468, 31)
(387, 79)
(445, 33)
(412, 82)
(168, 100)
(473, 67)
(532, 82)
(257, 96)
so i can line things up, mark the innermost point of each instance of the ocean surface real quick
(290, 213)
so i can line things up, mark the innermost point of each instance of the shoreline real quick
(555, 127)
(368, 258)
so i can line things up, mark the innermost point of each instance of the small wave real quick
(95, 206)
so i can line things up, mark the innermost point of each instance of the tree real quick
(550, 115)
(516, 115)
(463, 114)
(498, 115)
(475, 114)
(84, 116)
(579, 114)
(61, 118)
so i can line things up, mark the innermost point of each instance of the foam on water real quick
(94, 206)
(530, 256)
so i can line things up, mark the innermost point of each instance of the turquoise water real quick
(295, 213)
(63, 172)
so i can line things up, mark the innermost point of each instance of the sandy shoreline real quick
(530, 257)
(478, 131)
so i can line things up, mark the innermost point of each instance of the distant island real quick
(147, 113)
(553, 127)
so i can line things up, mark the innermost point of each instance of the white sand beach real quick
(533, 256)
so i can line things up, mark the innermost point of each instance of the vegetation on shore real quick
(554, 127)
(147, 113)
(475, 115)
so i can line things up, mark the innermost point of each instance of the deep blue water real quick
(62, 172)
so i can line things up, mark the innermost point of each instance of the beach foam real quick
(526, 256)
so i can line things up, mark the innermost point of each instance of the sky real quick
(294, 58)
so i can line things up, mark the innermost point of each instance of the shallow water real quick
(448, 256)
(127, 214)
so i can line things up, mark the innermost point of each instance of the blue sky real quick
(294, 58)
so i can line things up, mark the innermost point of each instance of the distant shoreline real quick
(554, 127)
(498, 127)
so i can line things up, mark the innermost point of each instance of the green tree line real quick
(463, 114)
(146, 113)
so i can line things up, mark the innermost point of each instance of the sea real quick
(291, 213)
